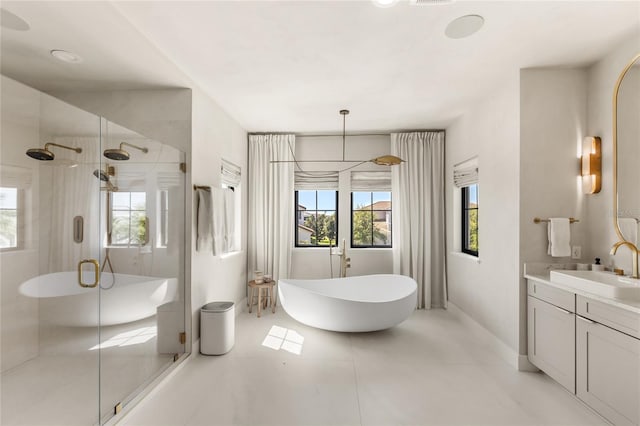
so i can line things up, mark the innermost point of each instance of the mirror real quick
(626, 152)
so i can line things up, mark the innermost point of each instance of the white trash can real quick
(217, 328)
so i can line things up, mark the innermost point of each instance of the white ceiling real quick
(290, 66)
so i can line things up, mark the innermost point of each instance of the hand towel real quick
(629, 228)
(559, 234)
(204, 220)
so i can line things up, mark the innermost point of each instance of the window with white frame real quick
(230, 178)
(129, 219)
(9, 217)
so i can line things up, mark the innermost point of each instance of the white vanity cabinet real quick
(551, 332)
(608, 361)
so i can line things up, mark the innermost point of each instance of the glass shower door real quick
(50, 311)
(142, 264)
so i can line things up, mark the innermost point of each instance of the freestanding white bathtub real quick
(132, 297)
(352, 304)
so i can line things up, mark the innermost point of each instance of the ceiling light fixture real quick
(464, 26)
(383, 160)
(65, 56)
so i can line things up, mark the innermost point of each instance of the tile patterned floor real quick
(430, 370)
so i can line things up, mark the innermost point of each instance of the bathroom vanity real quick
(588, 343)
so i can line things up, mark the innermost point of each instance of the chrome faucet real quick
(634, 254)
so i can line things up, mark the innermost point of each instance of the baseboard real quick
(508, 354)
(525, 365)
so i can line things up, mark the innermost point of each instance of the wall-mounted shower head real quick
(120, 154)
(43, 154)
(101, 175)
(104, 177)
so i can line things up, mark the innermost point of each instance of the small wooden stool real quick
(270, 296)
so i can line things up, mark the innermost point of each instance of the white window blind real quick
(466, 173)
(231, 174)
(371, 181)
(316, 180)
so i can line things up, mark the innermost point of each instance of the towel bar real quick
(206, 188)
(538, 220)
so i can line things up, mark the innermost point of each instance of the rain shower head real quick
(120, 154)
(43, 154)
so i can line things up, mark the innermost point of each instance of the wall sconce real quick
(591, 165)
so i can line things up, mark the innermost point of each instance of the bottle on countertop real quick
(597, 266)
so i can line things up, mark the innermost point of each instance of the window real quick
(371, 219)
(9, 218)
(316, 218)
(128, 219)
(231, 177)
(469, 226)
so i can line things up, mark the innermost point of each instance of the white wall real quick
(215, 136)
(601, 81)
(553, 121)
(314, 262)
(20, 124)
(488, 290)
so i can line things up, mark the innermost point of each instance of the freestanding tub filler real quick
(352, 304)
(124, 298)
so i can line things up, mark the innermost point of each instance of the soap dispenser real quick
(597, 266)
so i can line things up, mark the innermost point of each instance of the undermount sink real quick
(601, 283)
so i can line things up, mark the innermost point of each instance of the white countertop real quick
(541, 274)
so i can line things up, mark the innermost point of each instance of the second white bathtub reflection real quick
(352, 304)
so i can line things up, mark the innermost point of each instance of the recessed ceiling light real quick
(464, 26)
(384, 3)
(65, 56)
(11, 21)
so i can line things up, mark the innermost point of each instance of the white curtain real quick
(418, 214)
(72, 190)
(271, 210)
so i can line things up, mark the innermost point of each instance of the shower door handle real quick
(96, 268)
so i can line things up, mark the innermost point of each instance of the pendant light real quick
(383, 160)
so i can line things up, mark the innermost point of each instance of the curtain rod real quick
(318, 135)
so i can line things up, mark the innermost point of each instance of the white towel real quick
(219, 225)
(559, 234)
(629, 228)
(204, 220)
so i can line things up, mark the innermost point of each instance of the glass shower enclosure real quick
(91, 261)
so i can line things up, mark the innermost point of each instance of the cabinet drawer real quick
(555, 296)
(619, 319)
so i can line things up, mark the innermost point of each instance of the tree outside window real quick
(128, 218)
(470, 220)
(316, 218)
(371, 219)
